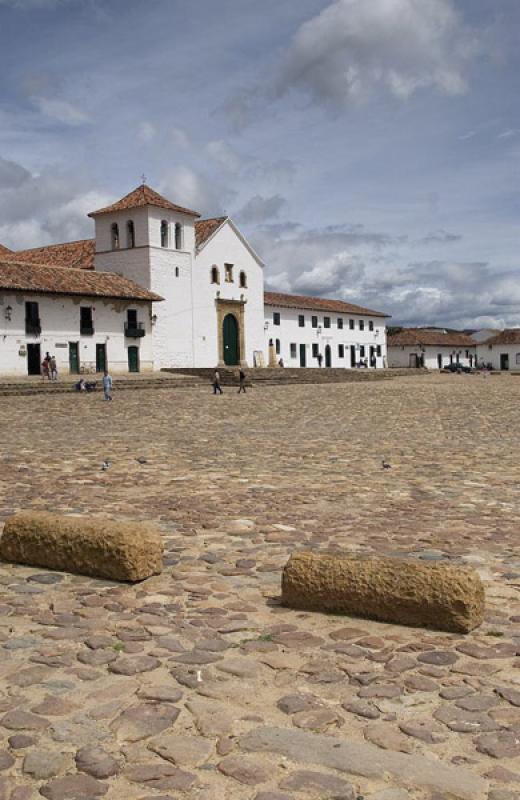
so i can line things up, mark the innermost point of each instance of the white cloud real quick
(146, 132)
(355, 47)
(180, 138)
(61, 110)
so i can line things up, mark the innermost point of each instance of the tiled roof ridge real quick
(323, 303)
(54, 244)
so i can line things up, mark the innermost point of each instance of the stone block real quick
(101, 548)
(429, 595)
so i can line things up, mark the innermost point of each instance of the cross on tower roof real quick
(143, 179)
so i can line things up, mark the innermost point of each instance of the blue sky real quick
(369, 150)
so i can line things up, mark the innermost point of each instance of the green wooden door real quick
(133, 359)
(328, 356)
(101, 357)
(303, 355)
(230, 334)
(74, 358)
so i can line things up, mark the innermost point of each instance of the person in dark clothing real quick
(320, 360)
(242, 379)
(216, 383)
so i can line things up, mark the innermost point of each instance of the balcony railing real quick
(134, 330)
(86, 330)
(33, 327)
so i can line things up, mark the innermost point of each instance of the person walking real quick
(320, 360)
(53, 368)
(242, 380)
(216, 383)
(107, 386)
(45, 367)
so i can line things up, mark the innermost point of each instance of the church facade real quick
(159, 287)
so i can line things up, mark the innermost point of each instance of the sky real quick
(368, 149)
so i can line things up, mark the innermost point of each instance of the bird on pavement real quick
(385, 464)
(105, 465)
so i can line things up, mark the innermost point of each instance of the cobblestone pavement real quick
(197, 683)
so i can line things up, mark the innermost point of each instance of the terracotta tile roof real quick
(143, 196)
(318, 304)
(507, 336)
(44, 279)
(204, 228)
(79, 255)
(418, 336)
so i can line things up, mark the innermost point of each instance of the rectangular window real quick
(341, 351)
(315, 350)
(228, 272)
(351, 324)
(518, 358)
(86, 325)
(340, 324)
(294, 350)
(378, 350)
(301, 321)
(278, 347)
(314, 322)
(361, 324)
(370, 325)
(32, 319)
(362, 351)
(326, 322)
(276, 317)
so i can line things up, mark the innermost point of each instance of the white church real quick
(159, 287)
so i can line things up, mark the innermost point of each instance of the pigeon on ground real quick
(385, 464)
(141, 460)
(105, 465)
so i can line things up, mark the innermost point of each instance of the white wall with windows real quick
(430, 356)
(342, 339)
(227, 270)
(500, 356)
(41, 323)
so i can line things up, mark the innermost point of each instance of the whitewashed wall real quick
(399, 356)
(60, 322)
(226, 247)
(289, 332)
(491, 354)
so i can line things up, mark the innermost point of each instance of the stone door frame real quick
(237, 309)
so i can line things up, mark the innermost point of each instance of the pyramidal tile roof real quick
(143, 196)
(45, 279)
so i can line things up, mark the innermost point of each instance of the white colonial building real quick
(501, 351)
(430, 348)
(158, 287)
(311, 331)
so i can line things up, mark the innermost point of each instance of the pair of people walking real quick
(49, 368)
(217, 388)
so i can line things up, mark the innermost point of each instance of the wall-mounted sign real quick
(22, 351)
(60, 344)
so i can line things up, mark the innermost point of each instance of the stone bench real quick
(439, 596)
(101, 548)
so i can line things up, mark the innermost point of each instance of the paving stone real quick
(96, 762)
(19, 741)
(18, 720)
(244, 770)
(361, 709)
(439, 658)
(161, 777)
(509, 694)
(6, 760)
(133, 666)
(503, 744)
(144, 719)
(367, 760)
(43, 764)
(327, 785)
(184, 750)
(74, 787)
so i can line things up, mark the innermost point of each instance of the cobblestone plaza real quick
(197, 683)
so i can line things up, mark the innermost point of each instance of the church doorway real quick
(231, 341)
(328, 356)
(33, 359)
